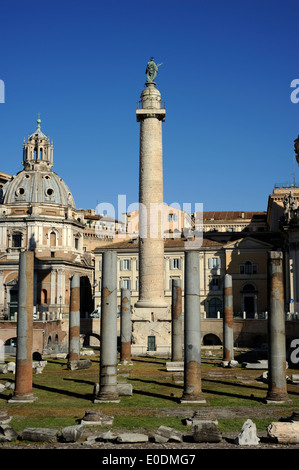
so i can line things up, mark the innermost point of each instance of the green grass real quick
(63, 396)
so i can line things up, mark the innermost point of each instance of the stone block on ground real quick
(80, 364)
(96, 417)
(128, 437)
(284, 432)
(206, 431)
(7, 433)
(200, 416)
(3, 368)
(58, 356)
(166, 434)
(4, 417)
(40, 434)
(11, 367)
(124, 389)
(87, 352)
(72, 433)
(254, 365)
(108, 436)
(248, 435)
(10, 385)
(174, 366)
(230, 364)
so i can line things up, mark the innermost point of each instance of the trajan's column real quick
(150, 114)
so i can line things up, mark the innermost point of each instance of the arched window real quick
(215, 305)
(52, 239)
(248, 268)
(249, 300)
(44, 296)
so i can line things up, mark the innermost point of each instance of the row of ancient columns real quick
(192, 338)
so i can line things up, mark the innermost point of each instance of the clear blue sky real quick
(226, 75)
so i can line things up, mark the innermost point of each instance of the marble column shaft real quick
(176, 322)
(23, 377)
(125, 325)
(277, 388)
(228, 320)
(108, 353)
(192, 336)
(74, 319)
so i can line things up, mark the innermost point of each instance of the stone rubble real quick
(248, 435)
(206, 431)
(96, 417)
(7, 433)
(166, 434)
(72, 433)
(284, 432)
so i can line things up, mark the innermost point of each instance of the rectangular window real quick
(151, 343)
(125, 265)
(248, 268)
(175, 263)
(17, 240)
(215, 284)
(125, 283)
(214, 263)
(172, 217)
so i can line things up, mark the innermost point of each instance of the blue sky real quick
(226, 75)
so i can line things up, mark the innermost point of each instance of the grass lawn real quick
(63, 396)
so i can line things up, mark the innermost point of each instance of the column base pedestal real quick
(192, 401)
(106, 399)
(22, 399)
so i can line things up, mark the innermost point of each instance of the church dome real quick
(37, 186)
(37, 183)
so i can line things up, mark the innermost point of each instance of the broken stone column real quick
(192, 337)
(108, 353)
(176, 322)
(284, 433)
(23, 379)
(74, 320)
(125, 326)
(228, 319)
(277, 386)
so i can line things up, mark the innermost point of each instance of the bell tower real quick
(38, 151)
